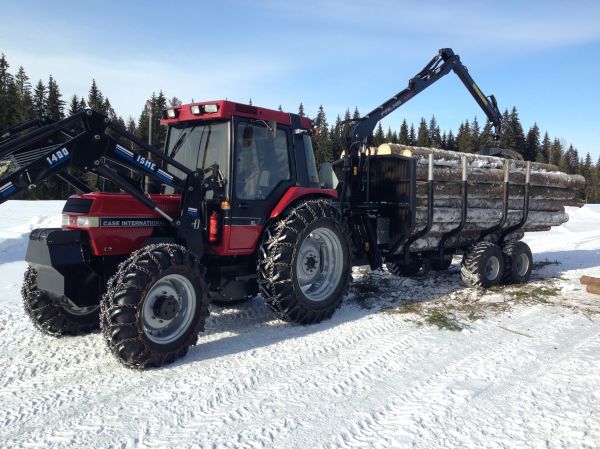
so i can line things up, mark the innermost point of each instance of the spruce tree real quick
(545, 149)
(532, 144)
(6, 81)
(73, 105)
(356, 114)
(403, 138)
(379, 136)
(25, 101)
(475, 135)
(412, 137)
(279, 108)
(301, 110)
(464, 138)
(95, 99)
(451, 142)
(337, 145)
(54, 104)
(322, 142)
(486, 137)
(556, 152)
(423, 134)
(174, 102)
(39, 99)
(435, 137)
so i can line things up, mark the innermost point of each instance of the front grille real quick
(78, 205)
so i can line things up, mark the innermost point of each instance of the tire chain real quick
(117, 283)
(57, 323)
(276, 291)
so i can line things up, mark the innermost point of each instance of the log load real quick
(550, 191)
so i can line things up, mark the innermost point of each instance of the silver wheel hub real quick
(492, 268)
(168, 309)
(319, 264)
(522, 264)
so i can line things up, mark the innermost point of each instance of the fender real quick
(293, 194)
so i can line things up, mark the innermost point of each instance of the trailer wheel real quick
(405, 269)
(304, 265)
(155, 306)
(56, 315)
(483, 265)
(518, 262)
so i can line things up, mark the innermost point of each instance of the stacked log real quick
(550, 191)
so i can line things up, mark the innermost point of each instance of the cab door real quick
(262, 172)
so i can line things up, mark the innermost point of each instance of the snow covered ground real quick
(421, 363)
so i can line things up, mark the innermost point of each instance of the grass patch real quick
(443, 320)
(531, 292)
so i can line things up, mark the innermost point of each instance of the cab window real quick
(262, 162)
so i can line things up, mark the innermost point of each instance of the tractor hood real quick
(117, 223)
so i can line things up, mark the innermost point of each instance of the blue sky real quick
(541, 56)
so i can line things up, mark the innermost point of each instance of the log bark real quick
(593, 289)
(513, 204)
(588, 280)
(496, 176)
(443, 157)
(485, 216)
(481, 190)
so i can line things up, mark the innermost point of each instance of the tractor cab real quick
(260, 154)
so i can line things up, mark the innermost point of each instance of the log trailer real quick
(242, 210)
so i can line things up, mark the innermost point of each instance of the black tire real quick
(518, 262)
(278, 262)
(483, 265)
(49, 314)
(405, 269)
(131, 300)
(440, 265)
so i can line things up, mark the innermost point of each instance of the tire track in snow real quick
(60, 403)
(399, 411)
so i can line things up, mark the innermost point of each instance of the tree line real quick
(20, 101)
(471, 137)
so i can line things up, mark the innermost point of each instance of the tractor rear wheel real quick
(154, 306)
(304, 265)
(483, 265)
(56, 315)
(518, 262)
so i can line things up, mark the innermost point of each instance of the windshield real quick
(199, 146)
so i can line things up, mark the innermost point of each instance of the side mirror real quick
(272, 132)
(248, 136)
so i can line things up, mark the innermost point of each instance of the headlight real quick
(88, 222)
(195, 109)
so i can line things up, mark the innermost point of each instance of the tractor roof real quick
(224, 110)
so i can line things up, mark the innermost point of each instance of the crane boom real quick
(360, 131)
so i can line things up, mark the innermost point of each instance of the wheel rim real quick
(492, 268)
(522, 264)
(168, 309)
(319, 264)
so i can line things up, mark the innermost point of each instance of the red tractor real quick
(241, 210)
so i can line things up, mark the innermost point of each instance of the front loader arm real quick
(91, 150)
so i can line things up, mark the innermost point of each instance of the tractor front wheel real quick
(304, 265)
(53, 314)
(155, 306)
